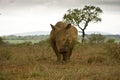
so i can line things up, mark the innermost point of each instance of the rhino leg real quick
(58, 57)
(70, 53)
(66, 57)
(56, 51)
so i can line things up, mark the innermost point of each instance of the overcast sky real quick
(19, 16)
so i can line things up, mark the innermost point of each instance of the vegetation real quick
(21, 39)
(110, 41)
(96, 39)
(113, 50)
(1, 40)
(83, 16)
(28, 61)
(36, 39)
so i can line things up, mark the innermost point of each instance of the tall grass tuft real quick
(114, 51)
(5, 55)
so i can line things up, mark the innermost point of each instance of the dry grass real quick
(37, 62)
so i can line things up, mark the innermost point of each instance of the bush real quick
(27, 43)
(110, 41)
(96, 59)
(44, 43)
(96, 39)
(1, 40)
(5, 55)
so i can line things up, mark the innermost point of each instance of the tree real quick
(82, 17)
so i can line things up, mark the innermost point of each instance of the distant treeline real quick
(116, 37)
(43, 37)
(32, 37)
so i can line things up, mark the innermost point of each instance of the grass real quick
(37, 62)
(20, 41)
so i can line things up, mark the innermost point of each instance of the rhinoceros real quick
(63, 37)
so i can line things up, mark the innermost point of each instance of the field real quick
(37, 62)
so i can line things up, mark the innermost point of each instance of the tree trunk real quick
(83, 31)
(83, 37)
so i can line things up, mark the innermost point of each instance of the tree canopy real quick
(83, 16)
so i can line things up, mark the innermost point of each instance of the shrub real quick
(1, 40)
(44, 43)
(27, 43)
(110, 41)
(96, 59)
(114, 51)
(96, 39)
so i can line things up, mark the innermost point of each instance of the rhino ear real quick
(68, 26)
(53, 27)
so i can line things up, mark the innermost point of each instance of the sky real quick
(20, 16)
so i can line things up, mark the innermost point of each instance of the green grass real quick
(20, 41)
(38, 62)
